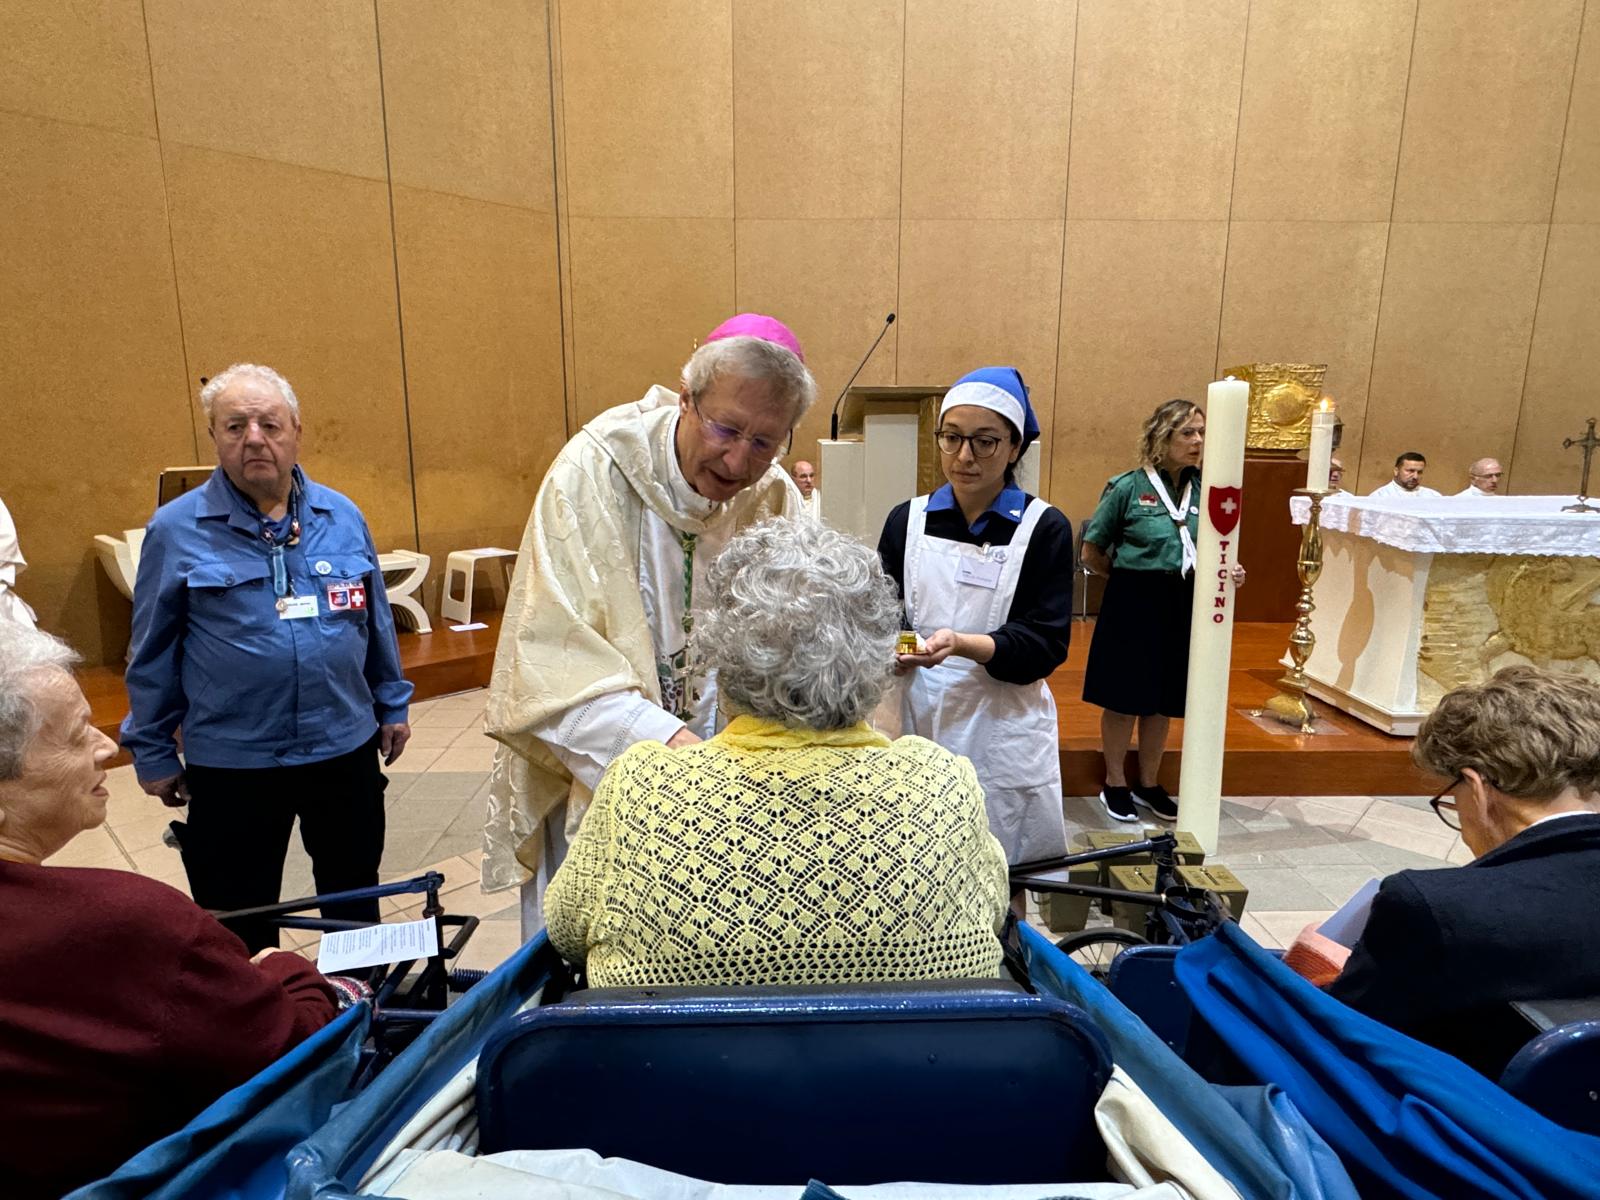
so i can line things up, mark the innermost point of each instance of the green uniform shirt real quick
(1132, 524)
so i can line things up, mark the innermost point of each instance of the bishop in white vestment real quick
(593, 652)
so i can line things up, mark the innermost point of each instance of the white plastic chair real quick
(403, 574)
(461, 565)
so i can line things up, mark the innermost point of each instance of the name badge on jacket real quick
(979, 572)
(297, 608)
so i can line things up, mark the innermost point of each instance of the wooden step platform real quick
(1348, 758)
(1263, 758)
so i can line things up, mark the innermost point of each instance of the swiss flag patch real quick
(347, 597)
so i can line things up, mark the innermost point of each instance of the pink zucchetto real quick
(757, 325)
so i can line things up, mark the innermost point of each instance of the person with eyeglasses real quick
(1142, 540)
(1446, 952)
(594, 645)
(264, 679)
(1483, 480)
(985, 573)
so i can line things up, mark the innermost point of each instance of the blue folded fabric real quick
(235, 1148)
(1258, 1142)
(1406, 1119)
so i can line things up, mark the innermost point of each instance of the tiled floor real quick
(1300, 857)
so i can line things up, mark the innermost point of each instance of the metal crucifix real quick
(1588, 442)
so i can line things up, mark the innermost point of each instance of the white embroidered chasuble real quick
(593, 651)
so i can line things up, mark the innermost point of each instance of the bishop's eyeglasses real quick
(761, 449)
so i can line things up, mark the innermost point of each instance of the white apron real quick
(1008, 730)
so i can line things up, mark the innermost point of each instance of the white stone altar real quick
(1419, 597)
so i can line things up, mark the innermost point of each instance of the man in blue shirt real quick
(262, 629)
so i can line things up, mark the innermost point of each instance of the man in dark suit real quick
(1445, 952)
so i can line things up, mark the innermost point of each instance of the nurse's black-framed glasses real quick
(983, 444)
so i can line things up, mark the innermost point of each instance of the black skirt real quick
(1139, 658)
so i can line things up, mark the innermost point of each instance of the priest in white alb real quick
(1407, 481)
(593, 652)
(1483, 480)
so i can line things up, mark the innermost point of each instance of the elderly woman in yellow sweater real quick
(797, 845)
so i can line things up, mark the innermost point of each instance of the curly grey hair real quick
(25, 655)
(215, 385)
(800, 626)
(753, 358)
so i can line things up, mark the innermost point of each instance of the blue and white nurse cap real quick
(1000, 390)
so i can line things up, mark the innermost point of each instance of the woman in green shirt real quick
(1141, 538)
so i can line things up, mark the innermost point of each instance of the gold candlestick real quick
(1291, 705)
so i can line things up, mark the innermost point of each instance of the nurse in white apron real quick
(985, 571)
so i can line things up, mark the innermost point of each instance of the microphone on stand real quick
(833, 428)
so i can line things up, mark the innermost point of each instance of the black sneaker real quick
(1118, 803)
(1155, 798)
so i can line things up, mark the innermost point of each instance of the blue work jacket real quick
(212, 654)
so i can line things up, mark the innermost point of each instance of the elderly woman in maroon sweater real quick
(125, 1009)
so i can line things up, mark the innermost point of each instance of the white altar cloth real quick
(1451, 525)
(1417, 597)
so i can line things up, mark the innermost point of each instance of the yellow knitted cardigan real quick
(769, 855)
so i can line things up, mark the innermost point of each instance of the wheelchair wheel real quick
(1093, 949)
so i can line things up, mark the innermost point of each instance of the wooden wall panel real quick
(647, 109)
(483, 364)
(1324, 94)
(982, 294)
(1307, 291)
(1485, 110)
(580, 190)
(1578, 187)
(91, 366)
(294, 268)
(1139, 316)
(1560, 394)
(294, 81)
(466, 93)
(817, 107)
(1453, 337)
(83, 62)
(643, 292)
(1155, 108)
(988, 108)
(832, 282)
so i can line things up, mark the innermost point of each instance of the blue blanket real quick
(1408, 1120)
(1253, 1136)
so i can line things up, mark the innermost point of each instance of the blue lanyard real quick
(275, 548)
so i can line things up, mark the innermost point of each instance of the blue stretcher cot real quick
(844, 1075)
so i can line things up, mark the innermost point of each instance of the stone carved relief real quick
(1483, 612)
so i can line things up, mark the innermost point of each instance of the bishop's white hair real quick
(753, 358)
